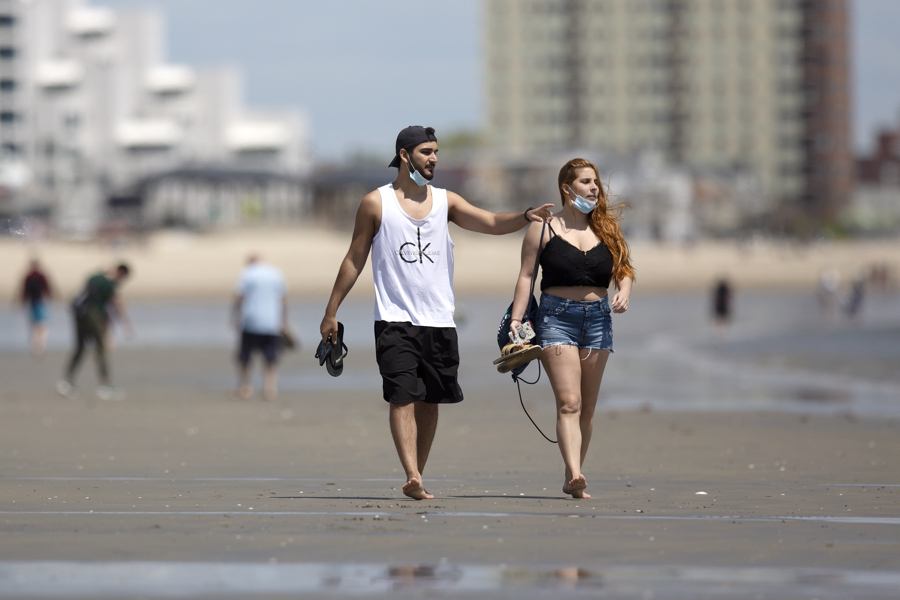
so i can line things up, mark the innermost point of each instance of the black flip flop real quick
(323, 351)
(339, 351)
(331, 352)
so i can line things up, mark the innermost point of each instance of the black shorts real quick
(269, 345)
(417, 364)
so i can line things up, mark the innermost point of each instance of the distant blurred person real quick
(855, 296)
(35, 294)
(722, 302)
(582, 252)
(259, 313)
(827, 290)
(98, 303)
(405, 226)
(880, 277)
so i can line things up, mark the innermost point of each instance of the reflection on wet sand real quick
(253, 580)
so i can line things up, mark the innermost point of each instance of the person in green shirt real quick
(92, 311)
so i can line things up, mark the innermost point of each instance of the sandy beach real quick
(718, 470)
(753, 463)
(176, 475)
(182, 265)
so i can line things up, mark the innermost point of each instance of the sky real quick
(347, 64)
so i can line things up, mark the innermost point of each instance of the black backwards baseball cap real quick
(409, 138)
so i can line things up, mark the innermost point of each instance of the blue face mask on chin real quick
(583, 205)
(417, 177)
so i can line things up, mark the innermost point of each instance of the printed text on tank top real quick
(418, 250)
(412, 259)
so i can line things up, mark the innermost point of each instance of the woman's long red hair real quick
(604, 220)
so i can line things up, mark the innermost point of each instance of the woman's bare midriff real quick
(577, 292)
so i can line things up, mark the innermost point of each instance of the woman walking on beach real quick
(581, 253)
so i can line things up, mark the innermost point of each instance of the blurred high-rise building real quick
(876, 201)
(89, 104)
(759, 84)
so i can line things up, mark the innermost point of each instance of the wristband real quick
(525, 214)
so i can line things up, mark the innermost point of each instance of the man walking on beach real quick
(92, 311)
(405, 225)
(260, 315)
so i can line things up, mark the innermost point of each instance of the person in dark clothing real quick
(856, 295)
(35, 293)
(722, 302)
(586, 277)
(92, 311)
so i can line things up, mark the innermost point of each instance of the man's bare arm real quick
(479, 220)
(368, 219)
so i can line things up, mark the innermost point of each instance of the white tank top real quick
(412, 263)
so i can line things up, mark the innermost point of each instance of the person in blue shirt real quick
(259, 314)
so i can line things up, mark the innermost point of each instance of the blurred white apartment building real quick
(757, 85)
(89, 106)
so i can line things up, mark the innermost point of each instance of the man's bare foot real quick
(413, 488)
(576, 487)
(244, 392)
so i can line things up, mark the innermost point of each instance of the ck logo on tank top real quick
(415, 252)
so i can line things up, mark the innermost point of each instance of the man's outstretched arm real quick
(477, 219)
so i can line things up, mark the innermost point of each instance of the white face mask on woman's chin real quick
(582, 204)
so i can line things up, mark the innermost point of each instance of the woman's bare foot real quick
(413, 488)
(576, 487)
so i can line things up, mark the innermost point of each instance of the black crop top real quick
(563, 264)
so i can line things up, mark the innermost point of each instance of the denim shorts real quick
(581, 323)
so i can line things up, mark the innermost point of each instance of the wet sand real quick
(181, 475)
